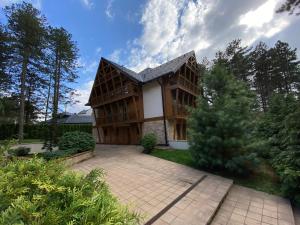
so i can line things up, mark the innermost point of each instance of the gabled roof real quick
(150, 74)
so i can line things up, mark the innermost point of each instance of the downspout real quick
(164, 113)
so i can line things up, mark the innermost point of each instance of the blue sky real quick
(145, 33)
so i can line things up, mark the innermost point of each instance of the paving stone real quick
(264, 209)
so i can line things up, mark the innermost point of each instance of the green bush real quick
(40, 131)
(148, 142)
(20, 151)
(57, 154)
(77, 141)
(45, 193)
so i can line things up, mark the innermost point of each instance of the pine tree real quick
(220, 125)
(236, 59)
(63, 63)
(290, 6)
(27, 29)
(262, 72)
(285, 68)
(5, 81)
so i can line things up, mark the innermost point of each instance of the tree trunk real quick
(48, 98)
(22, 99)
(55, 101)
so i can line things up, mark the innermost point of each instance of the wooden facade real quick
(117, 101)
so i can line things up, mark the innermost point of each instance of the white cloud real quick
(88, 67)
(173, 27)
(98, 50)
(115, 55)
(83, 94)
(87, 3)
(108, 10)
(260, 16)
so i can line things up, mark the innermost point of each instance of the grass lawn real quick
(263, 178)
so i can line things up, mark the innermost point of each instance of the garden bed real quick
(79, 157)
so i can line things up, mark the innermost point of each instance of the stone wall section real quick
(156, 127)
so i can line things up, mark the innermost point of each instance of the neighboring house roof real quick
(79, 119)
(83, 117)
(150, 74)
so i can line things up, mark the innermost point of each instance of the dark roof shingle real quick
(149, 74)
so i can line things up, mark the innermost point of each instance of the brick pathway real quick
(149, 185)
(247, 206)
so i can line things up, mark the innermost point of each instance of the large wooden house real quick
(127, 104)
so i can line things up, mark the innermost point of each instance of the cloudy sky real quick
(140, 33)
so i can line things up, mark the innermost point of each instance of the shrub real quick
(77, 141)
(20, 151)
(57, 154)
(39, 192)
(220, 126)
(41, 130)
(148, 142)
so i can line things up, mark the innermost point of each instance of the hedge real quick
(39, 131)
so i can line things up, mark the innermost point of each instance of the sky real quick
(146, 33)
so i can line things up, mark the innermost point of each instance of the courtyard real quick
(164, 192)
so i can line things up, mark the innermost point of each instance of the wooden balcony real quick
(115, 95)
(180, 111)
(117, 118)
(188, 85)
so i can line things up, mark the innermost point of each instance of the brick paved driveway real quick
(151, 186)
(148, 184)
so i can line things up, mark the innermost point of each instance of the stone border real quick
(79, 157)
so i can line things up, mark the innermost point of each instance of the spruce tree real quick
(220, 125)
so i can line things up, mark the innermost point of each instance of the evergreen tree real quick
(27, 29)
(262, 72)
(290, 6)
(220, 125)
(236, 59)
(5, 81)
(280, 128)
(285, 68)
(63, 64)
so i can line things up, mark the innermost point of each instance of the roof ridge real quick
(148, 73)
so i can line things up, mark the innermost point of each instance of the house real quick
(83, 117)
(127, 105)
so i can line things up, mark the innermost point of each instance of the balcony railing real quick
(180, 110)
(113, 95)
(188, 85)
(117, 118)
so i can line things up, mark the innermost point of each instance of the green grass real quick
(178, 156)
(263, 178)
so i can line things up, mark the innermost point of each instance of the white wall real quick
(152, 99)
(183, 145)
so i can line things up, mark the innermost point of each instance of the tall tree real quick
(64, 55)
(290, 6)
(27, 29)
(220, 125)
(5, 81)
(285, 68)
(236, 59)
(262, 70)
